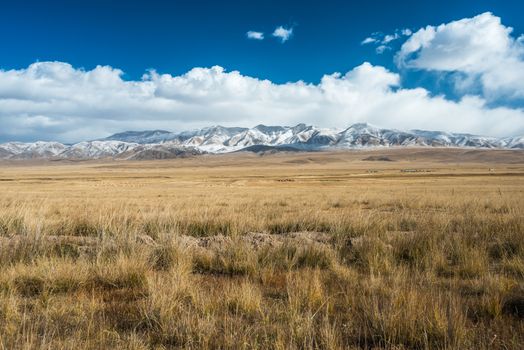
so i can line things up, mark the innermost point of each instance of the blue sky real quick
(173, 37)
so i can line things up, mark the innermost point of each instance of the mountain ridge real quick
(162, 144)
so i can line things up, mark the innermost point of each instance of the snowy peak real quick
(362, 134)
(270, 129)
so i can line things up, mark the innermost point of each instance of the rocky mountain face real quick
(161, 144)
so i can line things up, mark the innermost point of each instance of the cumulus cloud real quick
(284, 34)
(481, 49)
(55, 101)
(255, 35)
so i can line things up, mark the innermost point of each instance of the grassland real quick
(287, 251)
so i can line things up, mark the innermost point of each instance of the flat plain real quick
(389, 248)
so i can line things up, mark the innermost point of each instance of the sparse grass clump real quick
(513, 303)
(296, 256)
(234, 260)
(164, 257)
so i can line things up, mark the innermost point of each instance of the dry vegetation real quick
(303, 251)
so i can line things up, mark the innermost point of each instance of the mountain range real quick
(161, 144)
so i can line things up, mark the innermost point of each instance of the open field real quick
(410, 249)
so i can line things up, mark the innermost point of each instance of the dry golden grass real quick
(304, 251)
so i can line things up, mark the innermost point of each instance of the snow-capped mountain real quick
(39, 149)
(161, 144)
(149, 136)
(513, 142)
(97, 149)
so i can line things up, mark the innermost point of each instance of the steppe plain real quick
(407, 248)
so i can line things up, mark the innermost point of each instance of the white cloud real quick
(390, 37)
(380, 49)
(383, 40)
(255, 35)
(55, 101)
(368, 40)
(284, 34)
(481, 48)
